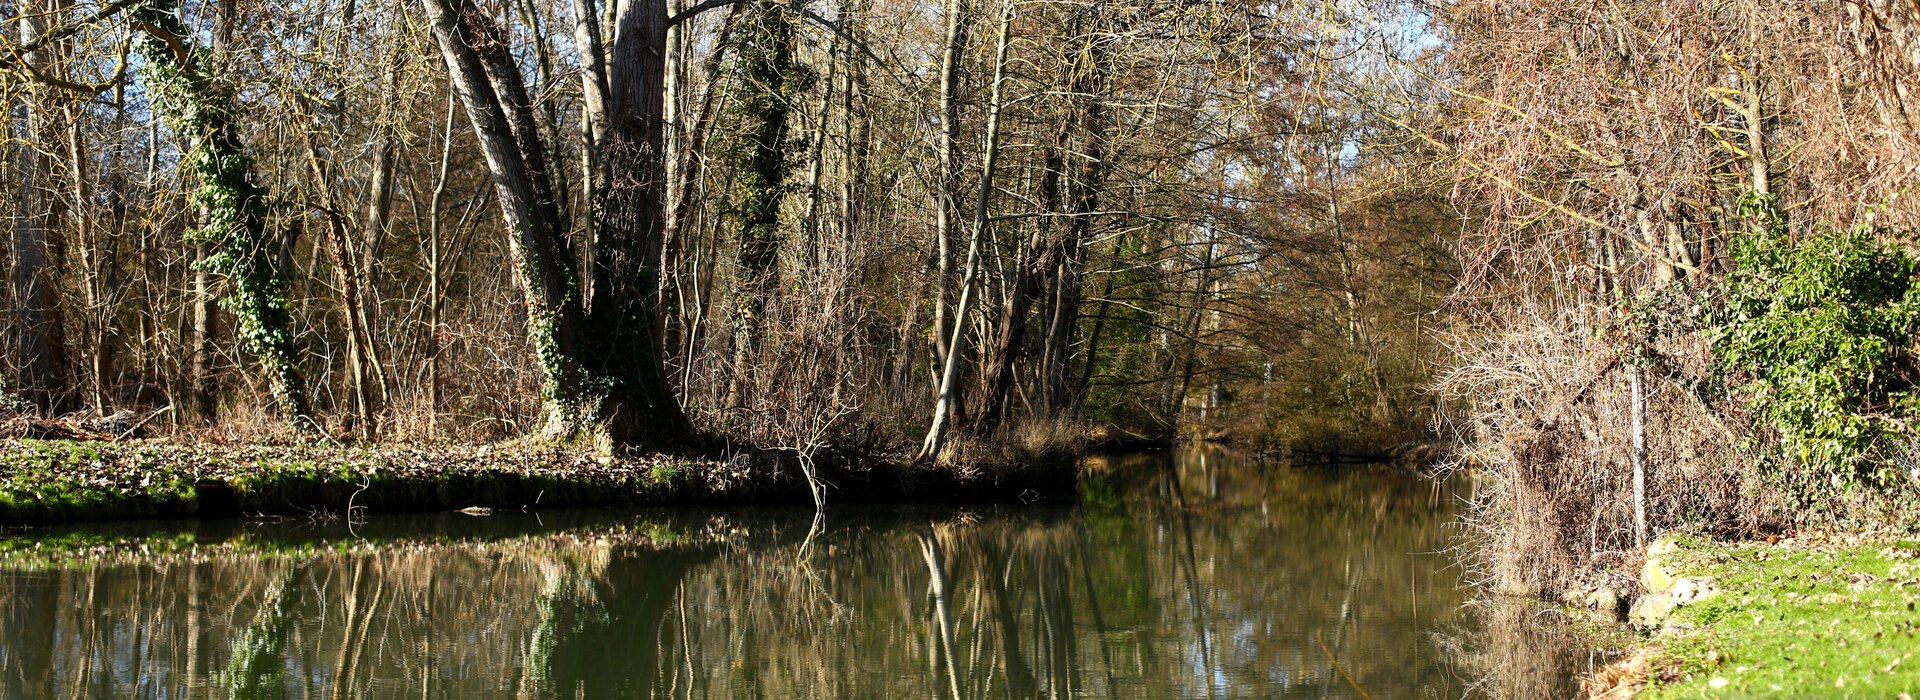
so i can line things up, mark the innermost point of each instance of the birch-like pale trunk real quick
(945, 209)
(1637, 386)
(950, 370)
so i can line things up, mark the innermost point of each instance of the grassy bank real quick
(62, 480)
(1803, 617)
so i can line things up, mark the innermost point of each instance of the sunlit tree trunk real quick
(946, 209)
(340, 251)
(235, 205)
(944, 402)
(436, 286)
(687, 170)
(604, 377)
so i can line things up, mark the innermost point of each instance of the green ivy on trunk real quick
(187, 97)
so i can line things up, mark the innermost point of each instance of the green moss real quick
(53, 481)
(1824, 621)
(90, 547)
(663, 474)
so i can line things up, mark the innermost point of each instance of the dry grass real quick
(1028, 446)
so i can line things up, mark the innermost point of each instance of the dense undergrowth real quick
(1779, 397)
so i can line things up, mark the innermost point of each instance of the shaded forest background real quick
(1182, 224)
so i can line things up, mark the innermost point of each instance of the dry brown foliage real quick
(1543, 415)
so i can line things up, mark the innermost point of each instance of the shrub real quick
(1814, 333)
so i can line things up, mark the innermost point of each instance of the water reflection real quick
(1200, 575)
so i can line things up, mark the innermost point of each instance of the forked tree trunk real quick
(602, 357)
(1036, 263)
(1043, 263)
(944, 402)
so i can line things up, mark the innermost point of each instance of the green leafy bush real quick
(1815, 333)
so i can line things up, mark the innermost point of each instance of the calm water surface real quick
(1193, 574)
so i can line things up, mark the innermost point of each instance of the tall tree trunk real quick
(1036, 262)
(346, 274)
(1637, 433)
(186, 94)
(91, 245)
(1086, 195)
(817, 149)
(489, 86)
(1359, 340)
(206, 320)
(946, 210)
(200, 341)
(688, 165)
(37, 342)
(1041, 264)
(630, 190)
(1094, 335)
(1188, 359)
(436, 287)
(944, 403)
(373, 234)
(770, 80)
(602, 362)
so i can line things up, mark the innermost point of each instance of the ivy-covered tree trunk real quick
(235, 230)
(604, 377)
(629, 211)
(770, 82)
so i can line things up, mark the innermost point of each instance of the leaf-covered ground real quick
(45, 480)
(59, 480)
(1807, 617)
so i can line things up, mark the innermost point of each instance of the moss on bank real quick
(1806, 617)
(60, 480)
(90, 546)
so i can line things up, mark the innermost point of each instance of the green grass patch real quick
(1800, 620)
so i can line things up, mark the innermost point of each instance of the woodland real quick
(889, 228)
(1637, 267)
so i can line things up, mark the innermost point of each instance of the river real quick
(1196, 573)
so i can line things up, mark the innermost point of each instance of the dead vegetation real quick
(1545, 420)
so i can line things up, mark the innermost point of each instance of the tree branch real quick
(690, 12)
(108, 10)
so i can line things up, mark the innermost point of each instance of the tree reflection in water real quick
(1193, 574)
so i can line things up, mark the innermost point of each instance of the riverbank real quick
(1807, 616)
(45, 481)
